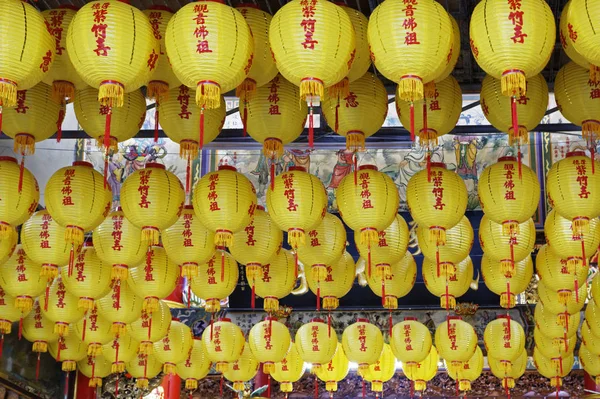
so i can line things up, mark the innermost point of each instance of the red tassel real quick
(37, 366)
(296, 263)
(369, 257)
(201, 127)
(221, 386)
(355, 160)
(316, 388)
(222, 266)
(592, 153)
(576, 290)
(245, 119)
(117, 349)
(84, 326)
(447, 296)
(188, 177)
(390, 323)
(58, 351)
(412, 122)
(269, 387)
(311, 128)
(149, 328)
(508, 324)
(212, 320)
(437, 259)
(107, 144)
(67, 385)
(318, 296)
(71, 260)
(46, 296)
(118, 293)
(59, 122)
(364, 389)
(253, 300)
(506, 390)
(515, 125)
(329, 324)
(273, 174)
(21, 327)
(21, 171)
(382, 290)
(156, 123)
(583, 251)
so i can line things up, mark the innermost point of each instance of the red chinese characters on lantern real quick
(210, 271)
(506, 337)
(314, 238)
(266, 276)
(329, 276)
(166, 344)
(79, 267)
(144, 188)
(184, 102)
(145, 319)
(142, 360)
(99, 28)
(155, 18)
(509, 184)
(117, 232)
(582, 178)
(563, 267)
(217, 339)
(55, 28)
(284, 366)
(438, 190)
(407, 337)
(187, 230)
(152, 59)
(46, 60)
(2, 294)
(452, 336)
(409, 24)
(362, 338)
(474, 48)
(21, 107)
(351, 100)
(20, 268)
(290, 192)
(434, 105)
(594, 89)
(308, 23)
(201, 32)
(382, 240)
(115, 296)
(572, 33)
(188, 362)
(66, 189)
(267, 336)
(212, 193)
(515, 16)
(149, 268)
(274, 97)
(250, 241)
(60, 295)
(37, 317)
(94, 319)
(315, 338)
(365, 194)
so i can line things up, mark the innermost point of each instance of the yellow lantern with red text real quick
(450, 286)
(61, 307)
(590, 362)
(504, 339)
(424, 371)
(151, 327)
(175, 347)
(555, 369)
(362, 343)
(548, 324)
(289, 370)
(39, 330)
(22, 279)
(459, 241)
(396, 284)
(269, 341)
(555, 274)
(143, 368)
(382, 370)
(19, 200)
(582, 32)
(336, 284)
(94, 331)
(9, 313)
(317, 353)
(560, 302)
(411, 343)
(518, 368)
(8, 245)
(566, 36)
(224, 342)
(195, 366)
(334, 371)
(121, 307)
(243, 369)
(94, 368)
(508, 286)
(216, 280)
(549, 348)
(467, 372)
(455, 340)
(276, 281)
(120, 351)
(68, 350)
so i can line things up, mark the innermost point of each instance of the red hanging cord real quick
(221, 386)
(21, 170)
(253, 299)
(272, 173)
(369, 257)
(311, 128)
(201, 127)
(364, 389)
(318, 296)
(337, 109)
(269, 387)
(67, 384)
(156, 122)
(245, 119)
(37, 366)
(188, 177)
(329, 324)
(412, 122)
(107, 144)
(222, 266)
(390, 323)
(21, 327)
(84, 326)
(59, 122)
(296, 263)
(515, 126)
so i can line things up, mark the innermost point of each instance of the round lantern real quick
(216, 280)
(442, 210)
(274, 116)
(531, 107)
(269, 341)
(456, 341)
(382, 370)
(424, 371)
(506, 250)
(504, 339)
(592, 317)
(162, 78)
(509, 193)
(20, 21)
(143, 368)
(188, 242)
(224, 342)
(422, 45)
(391, 247)
(152, 199)
(468, 372)
(155, 279)
(439, 113)
(411, 343)
(337, 282)
(195, 367)
(9, 313)
(289, 370)
(22, 279)
(587, 338)
(8, 245)
(175, 347)
(396, 284)
(257, 243)
(126, 120)
(327, 245)
(119, 243)
(297, 214)
(508, 378)
(68, 350)
(583, 33)
(559, 333)
(151, 327)
(317, 353)
(91, 278)
(459, 241)
(572, 185)
(38, 330)
(243, 369)
(450, 286)
(507, 286)
(455, 52)
(34, 116)
(559, 301)
(121, 350)
(590, 362)
(360, 113)
(566, 39)
(19, 200)
(76, 198)
(225, 200)
(121, 307)
(94, 331)
(362, 343)
(94, 368)
(61, 307)
(276, 281)
(334, 371)
(552, 349)
(554, 273)
(554, 369)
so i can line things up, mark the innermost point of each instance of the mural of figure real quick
(342, 168)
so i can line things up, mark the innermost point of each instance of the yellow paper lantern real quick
(143, 368)
(274, 117)
(91, 278)
(455, 51)
(506, 250)
(468, 372)
(8, 245)
(334, 371)
(22, 279)
(18, 204)
(151, 327)
(119, 243)
(269, 341)
(571, 186)
(121, 350)
(121, 307)
(459, 241)
(566, 37)
(152, 199)
(277, 280)
(548, 324)
(326, 246)
(336, 284)
(360, 113)
(555, 369)
(38, 329)
(77, 198)
(24, 62)
(531, 107)
(243, 369)
(257, 243)
(504, 339)
(508, 378)
(289, 370)
(456, 341)
(411, 343)
(362, 59)
(225, 200)
(9, 313)
(589, 339)
(68, 350)
(95, 331)
(549, 348)
(582, 33)
(555, 275)
(442, 210)
(559, 302)
(316, 343)
(592, 316)
(381, 371)
(155, 279)
(297, 203)
(174, 347)
(126, 121)
(62, 75)
(224, 342)
(363, 344)
(424, 371)
(216, 280)
(590, 362)
(440, 111)
(94, 368)
(196, 365)
(450, 286)
(188, 242)
(61, 307)
(397, 284)
(507, 286)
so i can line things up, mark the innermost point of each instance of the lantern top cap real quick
(297, 168)
(362, 320)
(227, 167)
(188, 207)
(248, 5)
(575, 154)
(317, 320)
(89, 243)
(224, 319)
(367, 167)
(158, 244)
(507, 158)
(155, 165)
(176, 319)
(410, 319)
(8, 159)
(502, 316)
(260, 207)
(453, 318)
(159, 7)
(220, 248)
(271, 318)
(118, 209)
(68, 7)
(83, 163)
(438, 165)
